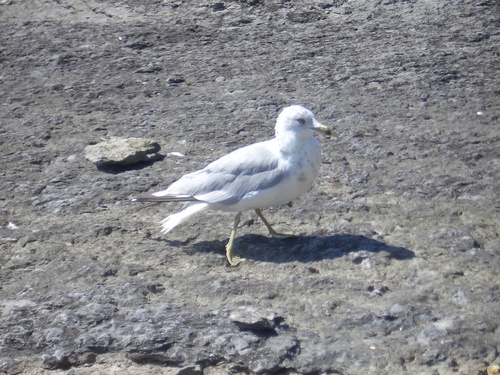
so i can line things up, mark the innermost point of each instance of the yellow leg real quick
(272, 232)
(231, 258)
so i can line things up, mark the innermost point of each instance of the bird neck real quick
(290, 142)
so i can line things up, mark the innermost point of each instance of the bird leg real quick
(272, 232)
(231, 258)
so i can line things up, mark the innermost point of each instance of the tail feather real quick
(173, 220)
(167, 198)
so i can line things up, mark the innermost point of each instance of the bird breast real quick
(300, 169)
(304, 167)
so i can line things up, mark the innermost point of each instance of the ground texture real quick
(395, 269)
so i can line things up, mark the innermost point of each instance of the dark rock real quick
(249, 318)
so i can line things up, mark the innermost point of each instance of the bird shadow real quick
(303, 249)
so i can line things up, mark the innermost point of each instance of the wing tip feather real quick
(166, 198)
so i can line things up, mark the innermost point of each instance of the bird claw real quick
(282, 235)
(235, 261)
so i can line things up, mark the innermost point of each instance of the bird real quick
(254, 177)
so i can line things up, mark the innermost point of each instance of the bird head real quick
(299, 121)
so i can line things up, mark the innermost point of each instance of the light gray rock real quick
(122, 151)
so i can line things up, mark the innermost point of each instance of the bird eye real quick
(301, 121)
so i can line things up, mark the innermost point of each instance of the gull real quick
(254, 177)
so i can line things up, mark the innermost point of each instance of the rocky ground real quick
(395, 269)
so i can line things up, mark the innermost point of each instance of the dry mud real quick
(395, 269)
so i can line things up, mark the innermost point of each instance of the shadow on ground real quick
(302, 249)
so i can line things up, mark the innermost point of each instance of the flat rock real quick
(122, 151)
(250, 318)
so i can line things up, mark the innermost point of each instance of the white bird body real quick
(297, 171)
(257, 176)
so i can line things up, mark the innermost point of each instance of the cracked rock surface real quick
(395, 269)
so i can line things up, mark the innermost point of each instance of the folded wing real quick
(226, 180)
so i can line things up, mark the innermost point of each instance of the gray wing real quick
(230, 178)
